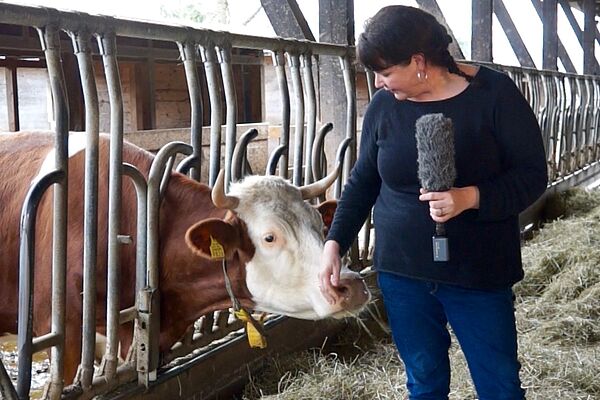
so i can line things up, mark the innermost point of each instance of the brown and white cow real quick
(272, 240)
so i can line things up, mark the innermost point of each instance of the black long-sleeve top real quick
(498, 148)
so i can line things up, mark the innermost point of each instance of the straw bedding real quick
(558, 319)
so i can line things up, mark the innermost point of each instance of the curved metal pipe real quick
(224, 54)
(50, 40)
(27, 275)
(188, 51)
(294, 61)
(239, 154)
(284, 140)
(209, 57)
(82, 49)
(311, 115)
(107, 44)
(141, 189)
(350, 86)
(274, 159)
(318, 153)
(184, 166)
(148, 355)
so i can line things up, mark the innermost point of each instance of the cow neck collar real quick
(254, 328)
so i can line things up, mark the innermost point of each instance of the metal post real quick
(107, 45)
(26, 278)
(188, 51)
(49, 36)
(209, 57)
(311, 115)
(81, 47)
(294, 61)
(284, 139)
(224, 54)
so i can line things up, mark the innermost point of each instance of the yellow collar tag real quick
(216, 249)
(255, 339)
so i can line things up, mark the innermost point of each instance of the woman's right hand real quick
(329, 276)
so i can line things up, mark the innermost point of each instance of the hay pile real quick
(558, 318)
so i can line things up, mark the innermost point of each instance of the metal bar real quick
(224, 55)
(284, 139)
(370, 76)
(26, 277)
(150, 297)
(7, 390)
(41, 16)
(43, 342)
(107, 45)
(350, 86)
(49, 36)
(294, 62)
(188, 51)
(311, 115)
(142, 203)
(237, 165)
(81, 48)
(209, 57)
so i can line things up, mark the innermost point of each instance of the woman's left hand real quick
(450, 203)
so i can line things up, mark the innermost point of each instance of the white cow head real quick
(287, 234)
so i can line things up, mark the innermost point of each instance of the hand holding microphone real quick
(436, 168)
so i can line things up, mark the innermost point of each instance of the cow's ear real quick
(212, 238)
(327, 210)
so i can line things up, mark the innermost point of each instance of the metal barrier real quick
(197, 48)
(567, 107)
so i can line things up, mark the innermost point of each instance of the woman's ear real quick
(420, 61)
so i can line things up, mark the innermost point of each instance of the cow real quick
(271, 239)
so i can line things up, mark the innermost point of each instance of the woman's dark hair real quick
(396, 33)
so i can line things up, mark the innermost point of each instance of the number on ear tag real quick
(216, 250)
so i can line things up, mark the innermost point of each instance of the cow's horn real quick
(219, 198)
(319, 187)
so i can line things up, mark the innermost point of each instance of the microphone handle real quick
(440, 229)
(441, 250)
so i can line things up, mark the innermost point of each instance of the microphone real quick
(436, 167)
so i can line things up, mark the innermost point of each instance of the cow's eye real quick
(269, 238)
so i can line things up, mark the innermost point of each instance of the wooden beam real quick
(589, 37)
(562, 52)
(145, 98)
(550, 35)
(287, 19)
(12, 98)
(336, 25)
(512, 33)
(481, 31)
(74, 92)
(575, 25)
(432, 7)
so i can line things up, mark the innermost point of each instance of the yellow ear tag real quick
(255, 339)
(216, 249)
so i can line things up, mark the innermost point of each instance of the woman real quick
(500, 171)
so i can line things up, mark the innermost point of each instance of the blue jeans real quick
(483, 322)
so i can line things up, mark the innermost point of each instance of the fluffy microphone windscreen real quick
(435, 152)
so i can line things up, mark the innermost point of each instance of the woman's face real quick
(401, 80)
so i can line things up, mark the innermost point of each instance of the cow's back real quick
(20, 161)
(22, 155)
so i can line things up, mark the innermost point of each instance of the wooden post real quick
(550, 41)
(12, 98)
(481, 31)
